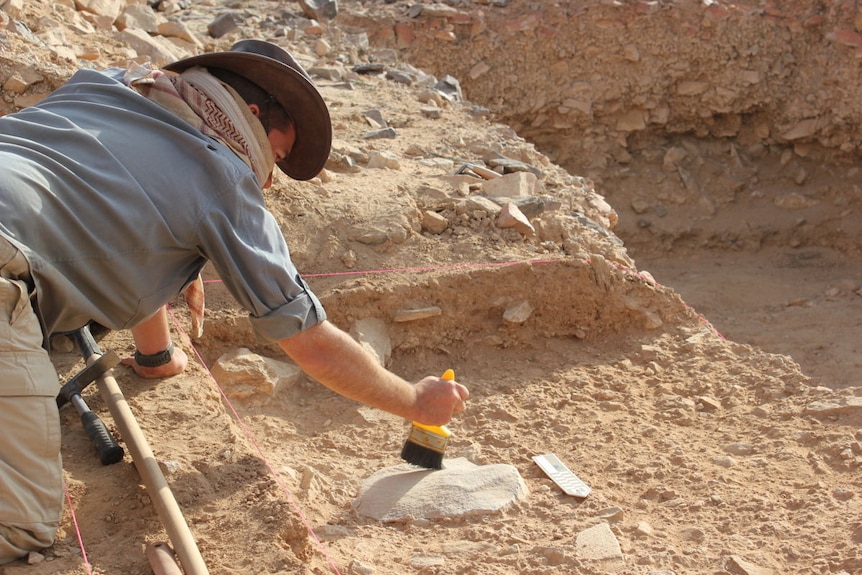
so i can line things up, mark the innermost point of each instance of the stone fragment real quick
(222, 25)
(481, 203)
(178, 29)
(849, 406)
(460, 489)
(319, 9)
(803, 129)
(739, 566)
(613, 514)
(375, 119)
(159, 50)
(13, 8)
(371, 334)
(692, 88)
(739, 448)
(331, 73)
(793, 201)
(598, 543)
(478, 70)
(431, 112)
(139, 16)
(450, 88)
(433, 222)
(108, 8)
(389, 133)
(22, 78)
(508, 166)
(248, 376)
(384, 160)
(631, 121)
(708, 404)
(518, 313)
(511, 217)
(414, 314)
(512, 185)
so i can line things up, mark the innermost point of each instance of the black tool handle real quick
(86, 343)
(108, 448)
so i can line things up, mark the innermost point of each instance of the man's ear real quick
(255, 109)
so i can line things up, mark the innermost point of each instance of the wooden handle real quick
(162, 560)
(154, 481)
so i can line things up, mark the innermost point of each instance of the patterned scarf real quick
(216, 110)
(213, 107)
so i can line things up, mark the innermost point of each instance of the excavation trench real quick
(727, 146)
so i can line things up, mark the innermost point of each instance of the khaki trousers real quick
(31, 481)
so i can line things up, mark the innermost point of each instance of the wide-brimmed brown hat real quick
(276, 71)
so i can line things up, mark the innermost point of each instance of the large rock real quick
(460, 489)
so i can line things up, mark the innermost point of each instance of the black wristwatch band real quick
(156, 359)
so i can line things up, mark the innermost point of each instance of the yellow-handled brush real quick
(426, 444)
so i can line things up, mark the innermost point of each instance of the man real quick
(115, 191)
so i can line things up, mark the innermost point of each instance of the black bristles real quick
(421, 456)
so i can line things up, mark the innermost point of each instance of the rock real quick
(371, 333)
(384, 160)
(433, 222)
(108, 8)
(598, 543)
(416, 313)
(460, 489)
(178, 29)
(248, 376)
(849, 406)
(513, 185)
(739, 566)
(159, 50)
(518, 313)
(319, 9)
(139, 16)
(378, 134)
(511, 217)
(222, 25)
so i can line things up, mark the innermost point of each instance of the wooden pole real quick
(166, 506)
(162, 560)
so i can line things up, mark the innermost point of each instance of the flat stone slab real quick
(836, 406)
(460, 489)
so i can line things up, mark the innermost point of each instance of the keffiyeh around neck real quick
(213, 107)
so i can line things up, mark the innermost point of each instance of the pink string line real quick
(250, 436)
(77, 529)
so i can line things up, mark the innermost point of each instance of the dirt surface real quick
(694, 279)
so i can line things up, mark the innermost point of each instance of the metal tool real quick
(108, 448)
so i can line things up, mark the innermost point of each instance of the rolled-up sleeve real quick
(245, 244)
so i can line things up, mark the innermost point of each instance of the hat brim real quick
(294, 92)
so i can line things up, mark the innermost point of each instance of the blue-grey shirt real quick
(117, 204)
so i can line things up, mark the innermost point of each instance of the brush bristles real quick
(421, 456)
(424, 447)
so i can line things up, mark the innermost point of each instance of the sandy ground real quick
(677, 384)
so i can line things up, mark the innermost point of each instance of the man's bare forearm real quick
(336, 360)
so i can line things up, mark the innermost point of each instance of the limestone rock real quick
(460, 489)
(248, 376)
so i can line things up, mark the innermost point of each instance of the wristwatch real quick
(156, 359)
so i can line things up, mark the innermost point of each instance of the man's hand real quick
(179, 362)
(438, 399)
